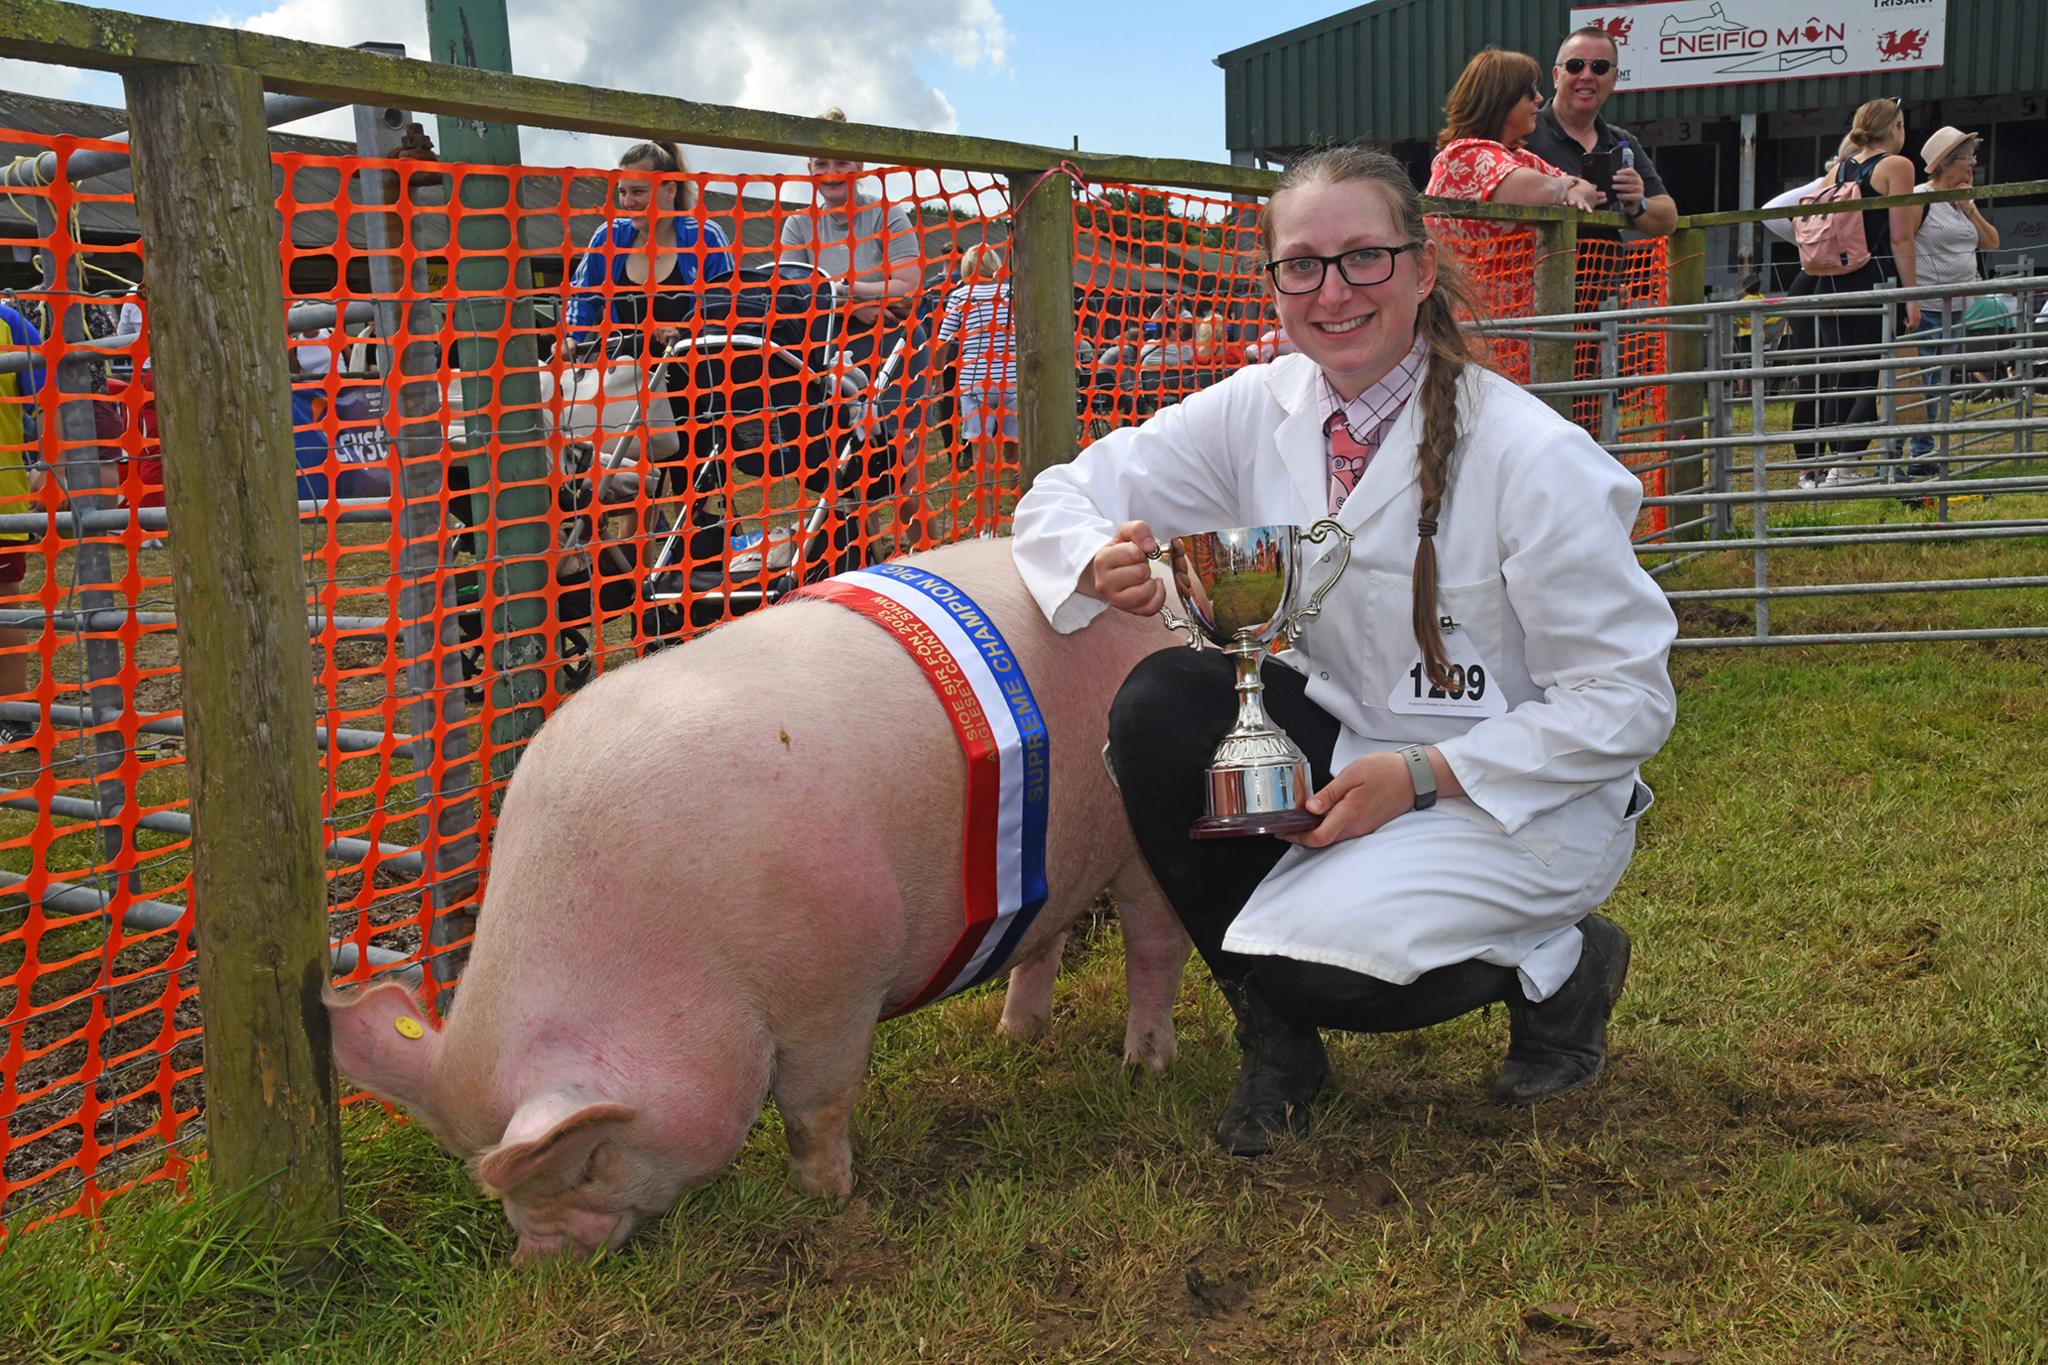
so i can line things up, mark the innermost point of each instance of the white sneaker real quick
(1845, 476)
(1809, 479)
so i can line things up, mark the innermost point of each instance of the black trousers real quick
(1839, 405)
(1163, 729)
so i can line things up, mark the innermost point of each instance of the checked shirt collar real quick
(1355, 429)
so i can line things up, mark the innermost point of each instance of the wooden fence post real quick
(204, 195)
(1557, 295)
(1042, 306)
(1687, 352)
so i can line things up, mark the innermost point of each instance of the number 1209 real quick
(1467, 683)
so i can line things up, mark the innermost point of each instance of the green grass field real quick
(1823, 1135)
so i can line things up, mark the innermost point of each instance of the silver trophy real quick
(1239, 589)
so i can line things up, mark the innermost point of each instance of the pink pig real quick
(714, 871)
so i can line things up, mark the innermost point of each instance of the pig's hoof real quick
(1026, 1028)
(1151, 1050)
(823, 1180)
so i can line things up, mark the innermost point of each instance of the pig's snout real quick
(582, 1237)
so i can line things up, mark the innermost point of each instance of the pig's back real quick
(736, 800)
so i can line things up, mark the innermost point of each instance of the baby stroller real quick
(756, 391)
(762, 393)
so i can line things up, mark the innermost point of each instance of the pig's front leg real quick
(1027, 1004)
(817, 1081)
(1155, 950)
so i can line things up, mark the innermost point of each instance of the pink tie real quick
(1348, 458)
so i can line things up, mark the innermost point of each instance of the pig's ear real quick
(383, 1043)
(550, 1133)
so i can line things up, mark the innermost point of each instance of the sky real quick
(1132, 76)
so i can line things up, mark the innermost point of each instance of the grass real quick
(1823, 1135)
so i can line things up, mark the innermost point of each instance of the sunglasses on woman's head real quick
(1601, 66)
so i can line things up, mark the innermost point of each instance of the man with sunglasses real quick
(1571, 135)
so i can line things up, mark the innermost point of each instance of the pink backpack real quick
(1833, 243)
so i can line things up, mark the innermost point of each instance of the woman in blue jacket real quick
(649, 285)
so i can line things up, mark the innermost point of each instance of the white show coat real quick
(1535, 568)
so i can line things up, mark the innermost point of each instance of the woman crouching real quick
(1467, 832)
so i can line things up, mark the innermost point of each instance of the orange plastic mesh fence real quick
(1499, 262)
(672, 453)
(1167, 299)
(518, 464)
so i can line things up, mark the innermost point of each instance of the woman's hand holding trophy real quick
(1121, 572)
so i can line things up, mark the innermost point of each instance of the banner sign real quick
(1669, 44)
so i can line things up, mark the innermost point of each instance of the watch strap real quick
(1420, 775)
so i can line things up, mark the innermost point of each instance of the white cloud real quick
(786, 56)
(39, 78)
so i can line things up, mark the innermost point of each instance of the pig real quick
(716, 868)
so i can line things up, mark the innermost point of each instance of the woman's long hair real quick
(663, 158)
(1436, 323)
(1488, 90)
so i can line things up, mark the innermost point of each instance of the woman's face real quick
(1356, 333)
(636, 188)
(1521, 119)
(1960, 168)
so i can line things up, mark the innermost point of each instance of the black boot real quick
(1283, 1070)
(1561, 1044)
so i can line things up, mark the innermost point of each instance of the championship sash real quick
(1002, 736)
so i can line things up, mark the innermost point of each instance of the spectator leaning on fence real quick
(1480, 156)
(978, 316)
(651, 252)
(1871, 159)
(17, 334)
(1571, 135)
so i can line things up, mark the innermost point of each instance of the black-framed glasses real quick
(1601, 66)
(1359, 267)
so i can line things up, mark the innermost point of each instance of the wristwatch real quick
(1421, 775)
(1642, 206)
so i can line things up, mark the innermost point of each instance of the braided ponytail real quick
(1436, 323)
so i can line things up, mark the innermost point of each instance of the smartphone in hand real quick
(1598, 167)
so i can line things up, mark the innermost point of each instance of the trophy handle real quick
(1177, 623)
(1317, 533)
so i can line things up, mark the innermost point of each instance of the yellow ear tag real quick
(409, 1027)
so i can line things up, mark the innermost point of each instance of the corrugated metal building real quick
(1379, 73)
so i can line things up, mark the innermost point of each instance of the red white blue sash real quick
(1002, 736)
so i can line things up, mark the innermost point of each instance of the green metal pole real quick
(495, 332)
